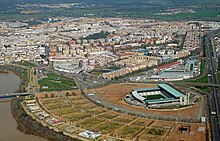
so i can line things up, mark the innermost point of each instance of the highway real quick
(214, 103)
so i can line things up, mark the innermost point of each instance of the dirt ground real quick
(174, 133)
(191, 136)
(115, 93)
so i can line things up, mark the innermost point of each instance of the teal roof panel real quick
(171, 90)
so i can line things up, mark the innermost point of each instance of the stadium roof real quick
(159, 100)
(147, 89)
(171, 90)
(136, 95)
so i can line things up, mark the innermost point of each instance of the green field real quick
(26, 64)
(56, 82)
(203, 78)
(101, 70)
(218, 76)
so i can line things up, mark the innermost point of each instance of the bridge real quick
(11, 95)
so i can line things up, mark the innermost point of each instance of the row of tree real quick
(100, 35)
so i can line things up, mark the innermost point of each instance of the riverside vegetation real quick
(24, 121)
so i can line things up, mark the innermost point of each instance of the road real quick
(214, 103)
(101, 102)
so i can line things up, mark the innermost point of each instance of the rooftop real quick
(159, 100)
(171, 90)
(146, 89)
(136, 95)
(167, 65)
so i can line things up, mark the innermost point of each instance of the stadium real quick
(162, 95)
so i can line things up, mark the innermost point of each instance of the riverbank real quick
(24, 121)
(20, 72)
(16, 74)
(8, 126)
(9, 83)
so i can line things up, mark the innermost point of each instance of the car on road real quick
(116, 109)
(213, 113)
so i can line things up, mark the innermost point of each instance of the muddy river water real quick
(9, 83)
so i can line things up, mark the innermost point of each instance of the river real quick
(9, 83)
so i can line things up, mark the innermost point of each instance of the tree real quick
(46, 96)
(52, 95)
(67, 93)
(73, 93)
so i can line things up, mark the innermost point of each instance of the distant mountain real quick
(158, 2)
(204, 9)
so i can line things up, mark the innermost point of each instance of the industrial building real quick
(161, 95)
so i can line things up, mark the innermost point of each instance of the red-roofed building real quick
(167, 66)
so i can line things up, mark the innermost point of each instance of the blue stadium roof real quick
(147, 89)
(171, 90)
(137, 96)
(159, 100)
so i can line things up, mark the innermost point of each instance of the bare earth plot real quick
(115, 94)
(78, 112)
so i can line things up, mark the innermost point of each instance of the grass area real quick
(101, 70)
(218, 75)
(75, 117)
(124, 119)
(152, 97)
(56, 82)
(64, 111)
(114, 67)
(156, 131)
(25, 76)
(203, 66)
(110, 115)
(142, 122)
(108, 127)
(26, 64)
(89, 122)
(96, 73)
(173, 106)
(203, 78)
(129, 132)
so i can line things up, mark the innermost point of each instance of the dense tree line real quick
(99, 35)
(28, 125)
